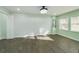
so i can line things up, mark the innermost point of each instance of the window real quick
(63, 24)
(75, 23)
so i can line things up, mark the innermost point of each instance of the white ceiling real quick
(52, 10)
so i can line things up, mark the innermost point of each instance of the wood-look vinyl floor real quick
(24, 45)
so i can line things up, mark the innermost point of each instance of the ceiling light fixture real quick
(18, 9)
(43, 10)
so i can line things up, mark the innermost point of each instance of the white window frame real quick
(63, 24)
(75, 23)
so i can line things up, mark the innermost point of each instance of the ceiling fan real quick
(43, 10)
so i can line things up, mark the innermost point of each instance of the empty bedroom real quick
(39, 29)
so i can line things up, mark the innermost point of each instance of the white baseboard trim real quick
(2, 38)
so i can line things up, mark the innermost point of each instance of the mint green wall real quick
(53, 29)
(3, 19)
(70, 34)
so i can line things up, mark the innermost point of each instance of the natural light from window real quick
(75, 23)
(63, 24)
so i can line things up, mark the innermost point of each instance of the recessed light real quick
(18, 9)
